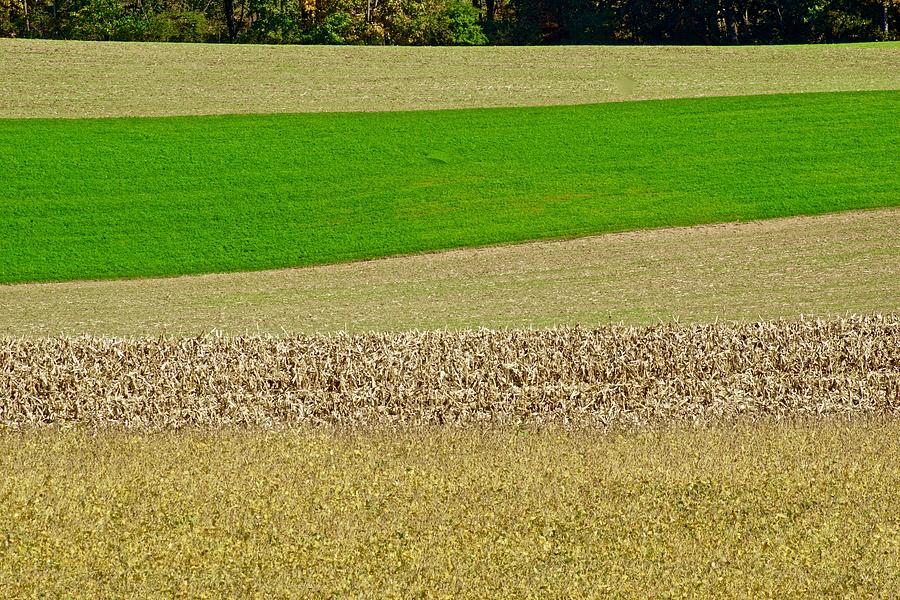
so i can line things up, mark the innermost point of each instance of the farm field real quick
(766, 511)
(646, 415)
(829, 265)
(602, 377)
(151, 197)
(52, 79)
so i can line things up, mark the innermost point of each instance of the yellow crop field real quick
(765, 510)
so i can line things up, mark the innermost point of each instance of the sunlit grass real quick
(84, 199)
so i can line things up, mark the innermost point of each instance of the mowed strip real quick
(44, 78)
(771, 510)
(110, 198)
(829, 265)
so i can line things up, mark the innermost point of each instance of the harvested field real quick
(106, 79)
(608, 376)
(829, 266)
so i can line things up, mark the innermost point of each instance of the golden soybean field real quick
(797, 509)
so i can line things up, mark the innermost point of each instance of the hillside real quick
(90, 199)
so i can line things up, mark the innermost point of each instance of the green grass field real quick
(828, 265)
(89, 199)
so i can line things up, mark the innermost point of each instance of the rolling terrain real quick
(60, 79)
(634, 444)
(829, 265)
(171, 196)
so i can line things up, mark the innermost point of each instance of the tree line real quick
(455, 22)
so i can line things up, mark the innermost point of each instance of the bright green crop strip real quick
(141, 197)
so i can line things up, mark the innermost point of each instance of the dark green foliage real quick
(457, 22)
(150, 20)
(337, 28)
(188, 26)
(562, 21)
(136, 197)
(457, 25)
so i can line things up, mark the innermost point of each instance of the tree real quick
(456, 25)
(229, 20)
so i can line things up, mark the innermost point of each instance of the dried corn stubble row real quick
(614, 376)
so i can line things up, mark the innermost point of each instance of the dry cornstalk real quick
(612, 376)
